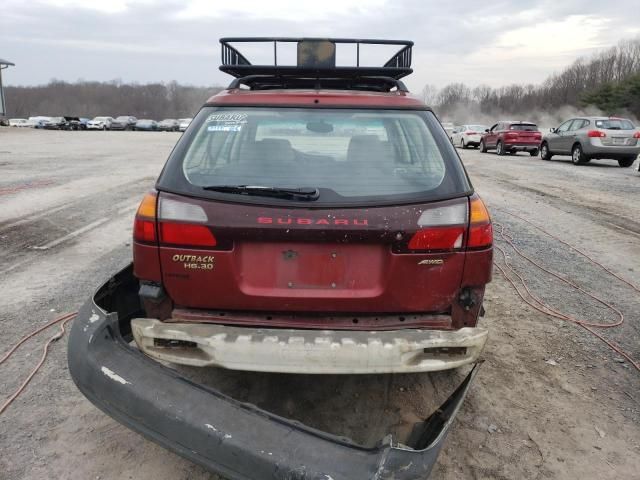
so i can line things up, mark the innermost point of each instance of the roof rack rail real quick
(316, 65)
(367, 83)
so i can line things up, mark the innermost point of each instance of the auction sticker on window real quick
(226, 122)
(224, 128)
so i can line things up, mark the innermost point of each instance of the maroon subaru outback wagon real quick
(312, 219)
(313, 230)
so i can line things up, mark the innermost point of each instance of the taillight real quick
(174, 210)
(450, 227)
(187, 235)
(147, 206)
(511, 135)
(636, 135)
(183, 224)
(144, 230)
(440, 229)
(437, 239)
(471, 133)
(480, 230)
(172, 222)
(596, 134)
(144, 225)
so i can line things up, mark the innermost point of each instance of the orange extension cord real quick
(539, 305)
(62, 320)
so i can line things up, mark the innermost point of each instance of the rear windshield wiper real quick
(302, 193)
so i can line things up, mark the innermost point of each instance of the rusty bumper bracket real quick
(237, 440)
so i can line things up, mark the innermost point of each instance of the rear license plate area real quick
(269, 268)
(306, 269)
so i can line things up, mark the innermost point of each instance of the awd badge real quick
(431, 261)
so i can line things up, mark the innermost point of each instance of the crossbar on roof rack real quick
(316, 63)
(366, 83)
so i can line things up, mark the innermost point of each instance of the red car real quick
(511, 137)
(317, 220)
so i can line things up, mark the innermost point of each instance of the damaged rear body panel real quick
(234, 439)
(307, 351)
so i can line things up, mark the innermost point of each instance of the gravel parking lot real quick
(551, 400)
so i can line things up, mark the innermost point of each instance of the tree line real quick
(90, 99)
(608, 81)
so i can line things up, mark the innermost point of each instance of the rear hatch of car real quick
(339, 211)
(391, 259)
(523, 133)
(616, 132)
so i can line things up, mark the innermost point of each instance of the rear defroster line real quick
(545, 308)
(62, 321)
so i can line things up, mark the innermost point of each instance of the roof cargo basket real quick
(316, 65)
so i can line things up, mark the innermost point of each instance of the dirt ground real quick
(551, 401)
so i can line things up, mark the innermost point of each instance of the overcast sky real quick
(473, 41)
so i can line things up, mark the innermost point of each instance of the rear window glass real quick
(615, 124)
(349, 155)
(524, 127)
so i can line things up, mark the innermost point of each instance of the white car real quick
(100, 123)
(19, 122)
(38, 121)
(448, 127)
(183, 123)
(466, 136)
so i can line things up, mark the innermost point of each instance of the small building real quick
(3, 64)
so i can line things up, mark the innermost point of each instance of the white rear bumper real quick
(308, 351)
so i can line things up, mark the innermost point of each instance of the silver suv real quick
(589, 138)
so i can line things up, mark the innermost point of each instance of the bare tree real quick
(429, 94)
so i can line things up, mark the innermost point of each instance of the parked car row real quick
(123, 122)
(583, 138)
(50, 123)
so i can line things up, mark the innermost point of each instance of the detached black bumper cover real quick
(236, 440)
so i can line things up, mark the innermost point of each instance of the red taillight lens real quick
(187, 234)
(636, 135)
(440, 228)
(144, 230)
(596, 134)
(471, 133)
(480, 236)
(480, 230)
(511, 135)
(447, 238)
